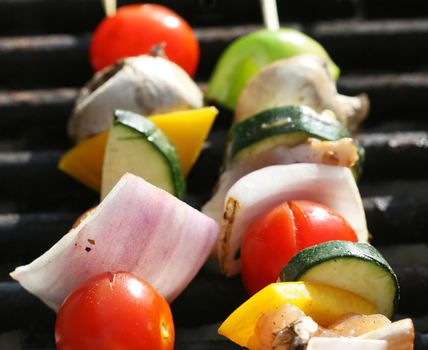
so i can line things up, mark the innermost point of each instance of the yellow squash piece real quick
(84, 162)
(187, 130)
(325, 304)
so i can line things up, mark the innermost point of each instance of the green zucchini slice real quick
(356, 267)
(289, 126)
(137, 146)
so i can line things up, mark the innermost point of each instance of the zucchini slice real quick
(137, 146)
(356, 267)
(289, 126)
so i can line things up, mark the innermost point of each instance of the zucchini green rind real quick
(247, 55)
(289, 125)
(286, 126)
(356, 267)
(357, 169)
(137, 146)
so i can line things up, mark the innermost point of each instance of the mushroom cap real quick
(144, 84)
(301, 80)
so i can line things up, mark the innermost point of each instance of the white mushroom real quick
(144, 84)
(303, 80)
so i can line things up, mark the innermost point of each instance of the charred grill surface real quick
(381, 47)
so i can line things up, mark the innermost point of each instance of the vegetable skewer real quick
(253, 195)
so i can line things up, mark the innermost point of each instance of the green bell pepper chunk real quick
(246, 56)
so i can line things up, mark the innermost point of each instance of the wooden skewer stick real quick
(110, 7)
(270, 14)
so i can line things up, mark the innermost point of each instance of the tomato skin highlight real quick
(136, 29)
(318, 224)
(114, 311)
(275, 237)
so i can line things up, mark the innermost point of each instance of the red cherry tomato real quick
(274, 238)
(136, 29)
(114, 311)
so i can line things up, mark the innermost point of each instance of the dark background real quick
(382, 49)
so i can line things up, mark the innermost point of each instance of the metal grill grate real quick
(381, 47)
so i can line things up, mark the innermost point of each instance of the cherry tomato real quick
(114, 311)
(274, 238)
(137, 29)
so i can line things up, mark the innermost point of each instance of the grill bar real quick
(211, 286)
(33, 61)
(391, 220)
(43, 59)
(389, 94)
(44, 16)
(25, 236)
(397, 154)
(40, 184)
(388, 156)
(35, 108)
(47, 16)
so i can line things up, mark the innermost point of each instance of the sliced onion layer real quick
(261, 190)
(137, 228)
(312, 151)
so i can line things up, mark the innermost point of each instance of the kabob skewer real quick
(265, 206)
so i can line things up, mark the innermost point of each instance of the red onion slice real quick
(137, 228)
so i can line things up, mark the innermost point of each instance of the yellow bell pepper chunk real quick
(84, 162)
(325, 304)
(187, 130)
